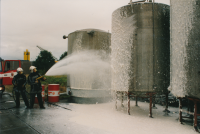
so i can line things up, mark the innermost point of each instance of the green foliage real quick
(62, 80)
(42, 72)
(63, 55)
(44, 61)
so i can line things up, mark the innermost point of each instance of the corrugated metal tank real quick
(140, 44)
(185, 48)
(84, 85)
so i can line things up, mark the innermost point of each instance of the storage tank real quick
(90, 84)
(140, 43)
(185, 48)
(89, 39)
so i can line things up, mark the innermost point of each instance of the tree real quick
(63, 55)
(44, 61)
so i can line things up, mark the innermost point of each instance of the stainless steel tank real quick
(89, 39)
(84, 84)
(140, 44)
(185, 48)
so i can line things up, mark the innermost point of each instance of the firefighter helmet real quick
(31, 68)
(19, 69)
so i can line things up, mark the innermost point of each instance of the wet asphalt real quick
(52, 120)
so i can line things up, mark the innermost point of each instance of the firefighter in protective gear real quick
(19, 82)
(36, 87)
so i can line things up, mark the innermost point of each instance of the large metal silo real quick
(84, 85)
(89, 39)
(140, 45)
(185, 48)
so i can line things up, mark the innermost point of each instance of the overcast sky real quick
(28, 23)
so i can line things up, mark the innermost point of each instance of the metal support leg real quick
(180, 112)
(191, 108)
(166, 106)
(154, 103)
(136, 101)
(150, 106)
(122, 102)
(128, 103)
(116, 100)
(166, 101)
(188, 106)
(195, 116)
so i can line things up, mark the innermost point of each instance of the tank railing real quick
(195, 114)
(149, 95)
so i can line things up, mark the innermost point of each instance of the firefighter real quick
(36, 87)
(19, 82)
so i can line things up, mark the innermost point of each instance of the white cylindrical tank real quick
(95, 81)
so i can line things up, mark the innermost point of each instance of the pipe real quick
(64, 36)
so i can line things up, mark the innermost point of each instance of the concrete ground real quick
(71, 118)
(52, 120)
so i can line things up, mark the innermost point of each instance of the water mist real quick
(87, 69)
